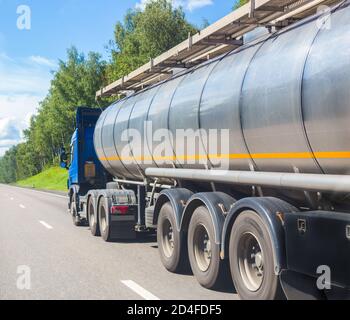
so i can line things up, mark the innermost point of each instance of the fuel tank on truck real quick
(283, 101)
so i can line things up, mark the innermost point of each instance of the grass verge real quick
(50, 179)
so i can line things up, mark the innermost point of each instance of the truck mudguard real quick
(271, 210)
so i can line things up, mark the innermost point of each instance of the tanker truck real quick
(240, 166)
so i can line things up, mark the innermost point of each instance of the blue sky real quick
(28, 57)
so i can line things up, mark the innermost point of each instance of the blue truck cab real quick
(85, 170)
(94, 199)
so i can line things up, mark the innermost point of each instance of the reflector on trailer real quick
(121, 210)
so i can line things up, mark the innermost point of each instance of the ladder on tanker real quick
(215, 40)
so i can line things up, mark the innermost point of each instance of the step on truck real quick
(241, 166)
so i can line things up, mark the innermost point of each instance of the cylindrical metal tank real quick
(284, 99)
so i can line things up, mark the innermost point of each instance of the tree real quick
(8, 166)
(146, 34)
(74, 84)
(239, 3)
(141, 36)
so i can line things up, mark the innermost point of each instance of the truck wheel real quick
(104, 220)
(170, 242)
(203, 253)
(93, 219)
(251, 259)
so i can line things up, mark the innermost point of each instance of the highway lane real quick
(37, 238)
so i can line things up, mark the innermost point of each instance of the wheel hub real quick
(168, 242)
(202, 248)
(103, 220)
(259, 260)
(171, 237)
(91, 216)
(251, 261)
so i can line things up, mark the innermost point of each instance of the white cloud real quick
(23, 75)
(189, 5)
(142, 4)
(42, 61)
(10, 134)
(19, 106)
(8, 131)
(196, 4)
(15, 112)
(5, 57)
(23, 84)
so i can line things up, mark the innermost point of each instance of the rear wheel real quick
(92, 217)
(203, 252)
(251, 259)
(104, 220)
(170, 242)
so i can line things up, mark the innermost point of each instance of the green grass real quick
(50, 179)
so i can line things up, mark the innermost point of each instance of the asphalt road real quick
(43, 256)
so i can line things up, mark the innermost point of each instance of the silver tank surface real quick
(285, 100)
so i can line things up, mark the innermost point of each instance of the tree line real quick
(142, 35)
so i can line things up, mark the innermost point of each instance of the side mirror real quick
(63, 159)
(64, 165)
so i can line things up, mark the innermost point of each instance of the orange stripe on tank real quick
(286, 155)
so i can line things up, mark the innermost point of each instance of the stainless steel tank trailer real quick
(271, 206)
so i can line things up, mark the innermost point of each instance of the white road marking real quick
(139, 290)
(37, 191)
(50, 194)
(22, 206)
(46, 225)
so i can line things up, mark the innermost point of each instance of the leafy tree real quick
(146, 34)
(141, 36)
(239, 3)
(74, 84)
(8, 166)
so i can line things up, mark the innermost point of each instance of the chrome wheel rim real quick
(91, 215)
(202, 247)
(103, 219)
(168, 238)
(251, 261)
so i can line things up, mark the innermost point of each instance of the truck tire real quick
(104, 220)
(93, 218)
(170, 243)
(252, 260)
(203, 252)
